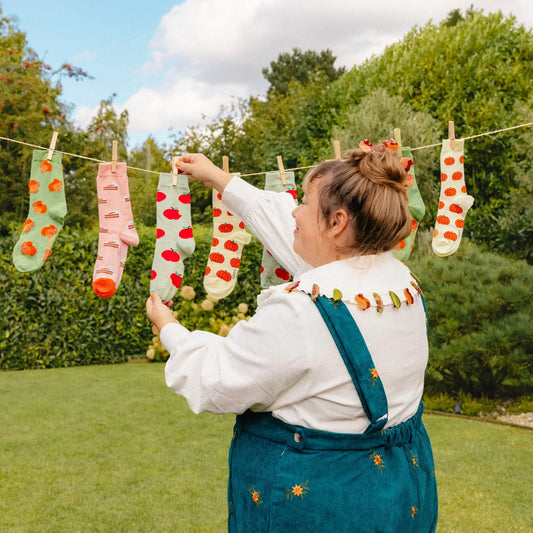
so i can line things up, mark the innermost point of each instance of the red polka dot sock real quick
(272, 273)
(229, 238)
(117, 231)
(175, 241)
(454, 203)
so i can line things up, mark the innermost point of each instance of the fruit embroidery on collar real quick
(360, 299)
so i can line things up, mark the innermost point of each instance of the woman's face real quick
(311, 241)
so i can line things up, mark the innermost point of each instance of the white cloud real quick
(205, 51)
(83, 116)
(177, 105)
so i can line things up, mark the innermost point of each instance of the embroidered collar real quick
(373, 281)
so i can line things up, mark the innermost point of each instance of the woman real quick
(327, 377)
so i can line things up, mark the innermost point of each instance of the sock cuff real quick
(459, 146)
(165, 181)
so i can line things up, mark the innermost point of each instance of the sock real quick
(416, 208)
(117, 231)
(46, 212)
(454, 203)
(229, 238)
(272, 273)
(175, 240)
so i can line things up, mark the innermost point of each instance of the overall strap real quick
(358, 361)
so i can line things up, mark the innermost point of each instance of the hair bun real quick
(380, 164)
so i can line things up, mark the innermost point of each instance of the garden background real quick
(474, 68)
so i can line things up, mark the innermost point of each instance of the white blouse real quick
(284, 359)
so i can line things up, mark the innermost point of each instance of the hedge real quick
(52, 318)
(479, 304)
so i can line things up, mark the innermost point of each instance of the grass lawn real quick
(111, 449)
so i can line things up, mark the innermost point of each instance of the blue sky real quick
(170, 63)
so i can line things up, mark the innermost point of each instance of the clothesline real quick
(264, 172)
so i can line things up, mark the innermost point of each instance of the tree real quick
(439, 70)
(30, 110)
(376, 117)
(300, 66)
(143, 185)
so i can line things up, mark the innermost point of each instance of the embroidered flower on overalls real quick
(378, 461)
(414, 510)
(256, 496)
(297, 490)
(374, 376)
(415, 459)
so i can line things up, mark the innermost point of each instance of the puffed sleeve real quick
(248, 369)
(269, 216)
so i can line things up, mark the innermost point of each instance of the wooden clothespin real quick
(337, 149)
(174, 170)
(52, 146)
(451, 134)
(225, 163)
(114, 152)
(398, 139)
(281, 171)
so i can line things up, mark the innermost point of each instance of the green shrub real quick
(479, 314)
(479, 309)
(52, 318)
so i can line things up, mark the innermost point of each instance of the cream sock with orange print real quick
(229, 238)
(117, 231)
(45, 216)
(454, 203)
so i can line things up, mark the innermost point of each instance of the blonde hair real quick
(372, 188)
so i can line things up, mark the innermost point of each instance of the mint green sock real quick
(47, 209)
(272, 273)
(416, 208)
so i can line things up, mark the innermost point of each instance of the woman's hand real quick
(159, 313)
(200, 167)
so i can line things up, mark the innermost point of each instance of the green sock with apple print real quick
(175, 241)
(416, 208)
(46, 212)
(272, 273)
(229, 238)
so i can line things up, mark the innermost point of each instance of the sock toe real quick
(104, 287)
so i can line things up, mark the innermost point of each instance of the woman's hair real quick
(372, 187)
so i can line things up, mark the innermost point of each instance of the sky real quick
(173, 64)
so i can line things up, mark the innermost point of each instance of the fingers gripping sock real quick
(175, 240)
(454, 203)
(416, 208)
(45, 215)
(272, 273)
(229, 238)
(117, 231)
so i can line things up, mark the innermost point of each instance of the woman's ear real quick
(338, 221)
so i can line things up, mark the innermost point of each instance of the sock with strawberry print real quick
(175, 240)
(229, 238)
(454, 203)
(117, 231)
(47, 209)
(416, 207)
(272, 273)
